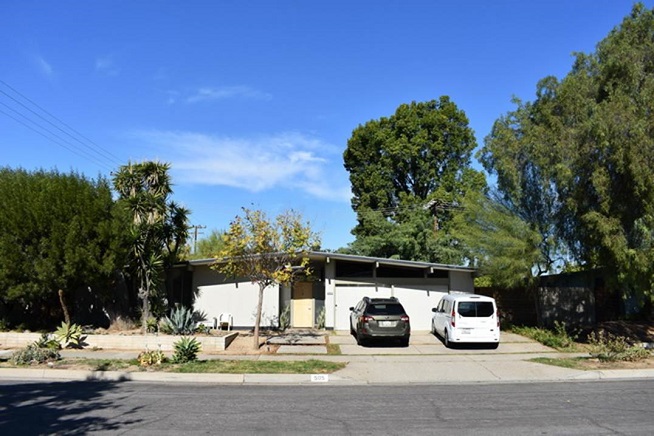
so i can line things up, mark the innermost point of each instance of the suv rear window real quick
(385, 309)
(476, 309)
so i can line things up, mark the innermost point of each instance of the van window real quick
(476, 309)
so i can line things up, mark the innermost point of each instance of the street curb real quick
(47, 374)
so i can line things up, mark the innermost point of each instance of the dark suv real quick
(379, 318)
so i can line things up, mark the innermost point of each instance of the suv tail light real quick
(366, 318)
(453, 318)
(404, 318)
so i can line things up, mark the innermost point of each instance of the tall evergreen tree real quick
(404, 169)
(59, 236)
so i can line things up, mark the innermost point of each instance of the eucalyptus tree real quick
(589, 139)
(402, 165)
(158, 228)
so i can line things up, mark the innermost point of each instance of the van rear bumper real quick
(474, 336)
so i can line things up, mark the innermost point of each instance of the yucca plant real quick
(186, 350)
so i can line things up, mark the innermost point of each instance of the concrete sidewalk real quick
(424, 361)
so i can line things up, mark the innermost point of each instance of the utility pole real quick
(195, 236)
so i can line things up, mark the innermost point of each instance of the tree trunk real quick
(64, 307)
(257, 323)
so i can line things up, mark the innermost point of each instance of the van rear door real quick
(473, 315)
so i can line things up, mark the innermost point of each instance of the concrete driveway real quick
(421, 343)
(425, 343)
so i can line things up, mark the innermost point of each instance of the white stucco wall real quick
(239, 299)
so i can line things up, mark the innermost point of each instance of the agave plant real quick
(70, 335)
(182, 321)
(186, 350)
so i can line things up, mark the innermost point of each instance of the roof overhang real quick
(321, 256)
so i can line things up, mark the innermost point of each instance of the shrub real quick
(321, 318)
(558, 338)
(70, 335)
(186, 350)
(46, 341)
(182, 321)
(151, 325)
(285, 318)
(150, 358)
(33, 354)
(610, 348)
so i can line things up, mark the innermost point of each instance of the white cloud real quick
(44, 66)
(288, 160)
(106, 66)
(225, 92)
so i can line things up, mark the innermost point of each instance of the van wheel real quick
(433, 328)
(446, 340)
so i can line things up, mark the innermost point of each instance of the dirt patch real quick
(634, 332)
(244, 344)
(594, 364)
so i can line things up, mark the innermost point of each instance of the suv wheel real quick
(361, 341)
(404, 342)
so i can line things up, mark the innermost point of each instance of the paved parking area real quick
(421, 343)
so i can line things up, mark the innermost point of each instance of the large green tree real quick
(504, 247)
(589, 138)
(59, 236)
(266, 251)
(406, 172)
(158, 228)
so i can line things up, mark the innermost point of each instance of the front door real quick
(302, 305)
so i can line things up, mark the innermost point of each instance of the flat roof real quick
(325, 256)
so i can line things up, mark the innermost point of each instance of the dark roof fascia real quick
(389, 262)
(321, 255)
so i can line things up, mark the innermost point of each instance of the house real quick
(340, 281)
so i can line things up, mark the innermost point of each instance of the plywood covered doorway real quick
(302, 305)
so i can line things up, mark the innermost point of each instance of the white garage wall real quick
(348, 296)
(416, 302)
(240, 301)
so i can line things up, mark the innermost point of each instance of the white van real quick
(470, 318)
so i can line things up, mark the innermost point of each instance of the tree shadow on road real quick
(77, 407)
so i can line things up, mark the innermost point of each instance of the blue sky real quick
(252, 102)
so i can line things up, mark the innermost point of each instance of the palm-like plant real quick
(159, 229)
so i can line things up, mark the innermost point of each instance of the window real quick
(385, 309)
(476, 309)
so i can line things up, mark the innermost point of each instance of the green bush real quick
(46, 341)
(33, 354)
(186, 350)
(558, 338)
(610, 348)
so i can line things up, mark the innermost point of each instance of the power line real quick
(86, 148)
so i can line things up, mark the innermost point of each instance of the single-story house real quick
(339, 282)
